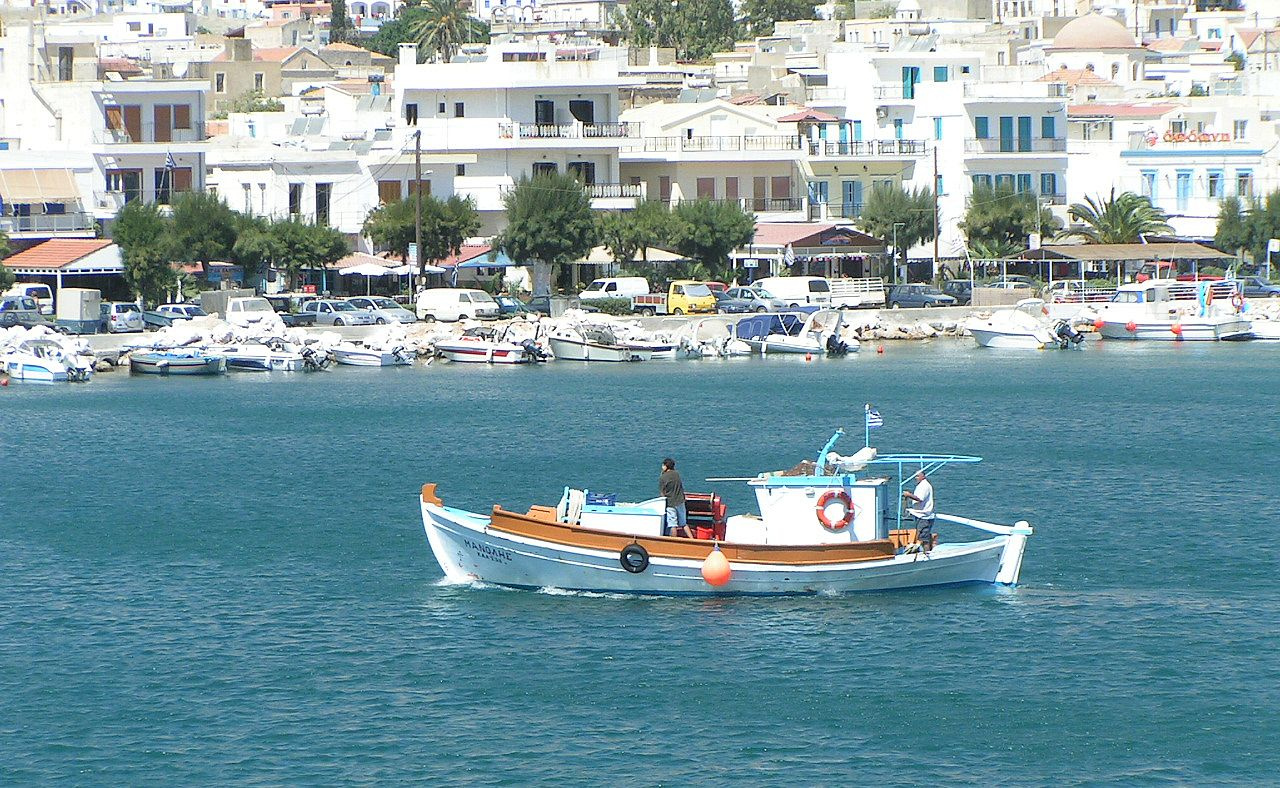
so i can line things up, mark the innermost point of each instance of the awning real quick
(32, 186)
(500, 260)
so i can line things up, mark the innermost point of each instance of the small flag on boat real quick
(873, 418)
(169, 163)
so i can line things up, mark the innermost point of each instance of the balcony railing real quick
(895, 91)
(615, 190)
(825, 93)
(714, 144)
(76, 221)
(1016, 145)
(567, 131)
(774, 204)
(869, 148)
(147, 134)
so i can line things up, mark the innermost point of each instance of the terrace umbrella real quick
(368, 271)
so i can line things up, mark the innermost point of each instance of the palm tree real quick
(445, 24)
(1122, 219)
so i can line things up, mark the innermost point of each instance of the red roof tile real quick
(56, 253)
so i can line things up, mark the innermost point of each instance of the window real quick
(1004, 181)
(220, 82)
(295, 198)
(182, 116)
(938, 186)
(323, 192)
(1048, 184)
(544, 168)
(460, 171)
(1244, 183)
(1215, 185)
(1048, 127)
(135, 27)
(982, 127)
(1183, 189)
(706, 188)
(440, 108)
(411, 114)
(964, 69)
(1238, 129)
(584, 171)
(1115, 70)
(388, 191)
(544, 112)
(126, 182)
(897, 128)
(1178, 126)
(940, 73)
(1149, 184)
(423, 187)
(259, 81)
(66, 60)
(910, 78)
(1023, 182)
(937, 128)
(583, 111)
(459, 109)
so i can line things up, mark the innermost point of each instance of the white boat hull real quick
(987, 337)
(483, 352)
(469, 551)
(1266, 330)
(371, 358)
(565, 349)
(20, 369)
(1192, 330)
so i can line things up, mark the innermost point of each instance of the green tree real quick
(694, 28)
(549, 223)
(297, 246)
(707, 231)
(254, 248)
(1001, 218)
(204, 228)
(446, 224)
(443, 25)
(1262, 223)
(145, 238)
(256, 101)
(888, 205)
(6, 276)
(761, 15)
(1232, 234)
(616, 233)
(340, 28)
(1118, 219)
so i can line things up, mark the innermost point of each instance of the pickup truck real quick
(684, 296)
(285, 303)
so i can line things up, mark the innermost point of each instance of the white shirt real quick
(924, 506)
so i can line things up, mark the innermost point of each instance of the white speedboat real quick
(484, 346)
(1023, 327)
(796, 333)
(591, 343)
(265, 358)
(830, 528)
(1168, 311)
(362, 356)
(45, 361)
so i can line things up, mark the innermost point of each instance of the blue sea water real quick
(225, 581)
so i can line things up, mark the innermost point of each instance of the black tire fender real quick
(634, 558)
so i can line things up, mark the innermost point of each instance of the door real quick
(583, 111)
(819, 192)
(1184, 189)
(758, 195)
(1024, 133)
(133, 122)
(163, 116)
(910, 78)
(544, 112)
(1006, 134)
(851, 199)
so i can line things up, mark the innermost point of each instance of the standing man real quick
(923, 510)
(671, 488)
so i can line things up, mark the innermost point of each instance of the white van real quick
(619, 287)
(455, 303)
(41, 293)
(249, 311)
(797, 290)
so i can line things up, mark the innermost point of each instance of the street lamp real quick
(896, 225)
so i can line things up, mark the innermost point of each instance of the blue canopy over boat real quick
(761, 326)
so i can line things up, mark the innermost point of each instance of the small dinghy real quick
(833, 525)
(173, 362)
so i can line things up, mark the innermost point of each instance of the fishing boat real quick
(364, 356)
(175, 362)
(796, 333)
(1023, 327)
(45, 361)
(1169, 310)
(828, 525)
(591, 343)
(484, 346)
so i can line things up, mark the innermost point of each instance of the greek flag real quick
(874, 418)
(789, 256)
(169, 163)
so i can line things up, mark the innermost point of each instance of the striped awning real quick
(32, 186)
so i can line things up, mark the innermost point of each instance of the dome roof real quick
(1093, 32)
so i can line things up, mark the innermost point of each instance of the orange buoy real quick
(1176, 328)
(1099, 323)
(880, 350)
(1131, 326)
(4, 383)
(715, 569)
(808, 357)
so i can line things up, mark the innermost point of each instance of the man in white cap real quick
(923, 509)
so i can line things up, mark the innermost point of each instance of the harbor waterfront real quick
(226, 580)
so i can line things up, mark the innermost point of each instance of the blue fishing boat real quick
(172, 362)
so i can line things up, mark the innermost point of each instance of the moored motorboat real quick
(273, 358)
(1024, 327)
(484, 346)
(363, 356)
(1165, 310)
(793, 333)
(175, 362)
(591, 343)
(45, 361)
(851, 539)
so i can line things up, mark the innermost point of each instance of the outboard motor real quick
(312, 360)
(532, 350)
(837, 347)
(1066, 334)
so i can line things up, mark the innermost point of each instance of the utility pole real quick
(417, 199)
(935, 212)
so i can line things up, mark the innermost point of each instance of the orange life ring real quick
(849, 511)
(1237, 301)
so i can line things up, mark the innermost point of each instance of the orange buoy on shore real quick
(1131, 326)
(715, 569)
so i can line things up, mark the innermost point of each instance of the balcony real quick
(1015, 145)
(77, 222)
(609, 191)
(773, 204)
(825, 94)
(894, 92)
(717, 144)
(1031, 91)
(566, 131)
(869, 148)
(147, 135)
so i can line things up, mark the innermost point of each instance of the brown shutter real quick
(388, 191)
(115, 121)
(182, 116)
(133, 122)
(182, 179)
(163, 115)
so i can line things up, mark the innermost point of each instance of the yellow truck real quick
(683, 297)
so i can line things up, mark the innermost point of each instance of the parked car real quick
(1258, 287)
(510, 306)
(728, 305)
(249, 310)
(383, 309)
(20, 310)
(119, 317)
(455, 303)
(181, 311)
(959, 289)
(1011, 284)
(683, 297)
(42, 293)
(798, 290)
(918, 296)
(331, 312)
(761, 300)
(286, 306)
(716, 287)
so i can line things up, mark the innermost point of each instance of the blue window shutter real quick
(982, 127)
